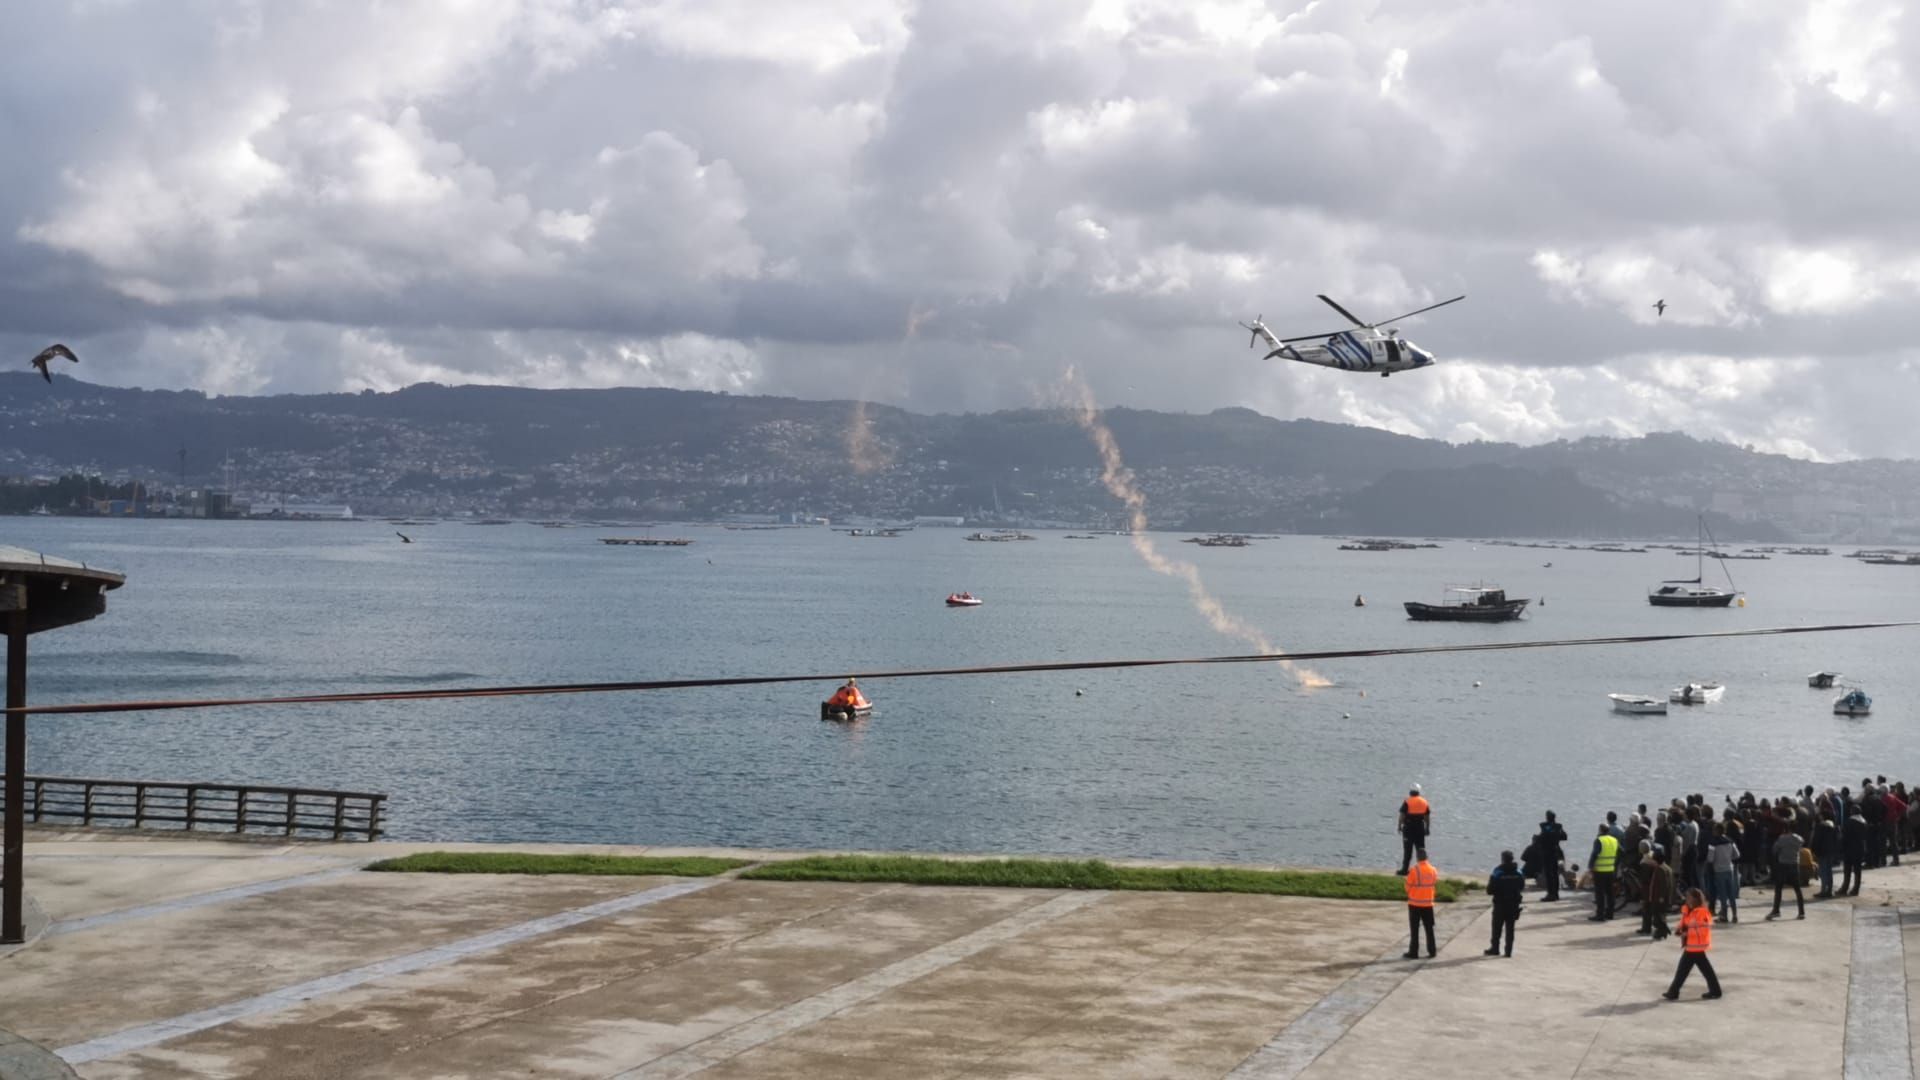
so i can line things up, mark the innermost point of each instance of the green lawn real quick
(514, 862)
(1092, 874)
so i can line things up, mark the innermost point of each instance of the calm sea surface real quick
(1220, 762)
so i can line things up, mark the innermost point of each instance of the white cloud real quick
(301, 195)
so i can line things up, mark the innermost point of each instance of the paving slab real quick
(417, 976)
(1582, 999)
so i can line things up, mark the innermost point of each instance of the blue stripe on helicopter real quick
(1347, 349)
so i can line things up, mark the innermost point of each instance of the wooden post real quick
(339, 815)
(13, 837)
(240, 811)
(193, 805)
(289, 813)
(86, 803)
(139, 804)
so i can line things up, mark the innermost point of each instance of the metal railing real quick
(240, 808)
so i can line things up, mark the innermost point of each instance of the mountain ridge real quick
(430, 447)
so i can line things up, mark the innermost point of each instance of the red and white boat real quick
(962, 599)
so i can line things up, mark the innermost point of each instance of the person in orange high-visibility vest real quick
(1422, 880)
(1415, 822)
(1696, 937)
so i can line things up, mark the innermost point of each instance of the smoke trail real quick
(862, 453)
(1118, 480)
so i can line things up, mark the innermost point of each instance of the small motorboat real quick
(1853, 703)
(1822, 680)
(962, 599)
(1637, 703)
(1696, 693)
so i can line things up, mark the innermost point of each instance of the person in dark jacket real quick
(1853, 851)
(1826, 850)
(1874, 809)
(1548, 852)
(1657, 897)
(1786, 872)
(1507, 887)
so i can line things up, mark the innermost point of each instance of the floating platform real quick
(644, 541)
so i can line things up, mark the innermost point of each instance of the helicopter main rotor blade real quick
(1422, 311)
(1329, 302)
(1310, 337)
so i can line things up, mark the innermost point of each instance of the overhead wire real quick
(639, 685)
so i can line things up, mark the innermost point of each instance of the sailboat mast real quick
(1723, 563)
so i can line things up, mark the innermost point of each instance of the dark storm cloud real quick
(943, 204)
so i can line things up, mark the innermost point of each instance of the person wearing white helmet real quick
(1415, 823)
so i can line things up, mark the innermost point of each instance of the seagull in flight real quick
(404, 538)
(1660, 306)
(46, 356)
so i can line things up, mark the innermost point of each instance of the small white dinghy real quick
(1853, 703)
(1637, 703)
(1696, 693)
(1822, 680)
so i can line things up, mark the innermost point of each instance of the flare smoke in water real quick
(1118, 480)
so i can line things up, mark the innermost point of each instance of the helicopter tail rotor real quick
(1257, 329)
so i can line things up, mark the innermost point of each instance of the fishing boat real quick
(962, 599)
(1637, 703)
(1854, 702)
(1693, 592)
(1696, 693)
(1469, 603)
(1822, 680)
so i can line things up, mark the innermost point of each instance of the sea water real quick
(1217, 762)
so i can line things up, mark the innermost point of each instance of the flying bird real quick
(1660, 306)
(46, 356)
(404, 538)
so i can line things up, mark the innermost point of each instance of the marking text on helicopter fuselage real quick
(1367, 348)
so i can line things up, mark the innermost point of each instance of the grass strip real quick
(517, 862)
(1093, 874)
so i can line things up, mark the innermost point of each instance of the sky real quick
(945, 204)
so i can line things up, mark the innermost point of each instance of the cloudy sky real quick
(943, 204)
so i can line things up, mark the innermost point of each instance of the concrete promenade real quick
(186, 957)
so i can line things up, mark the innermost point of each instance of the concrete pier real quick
(186, 957)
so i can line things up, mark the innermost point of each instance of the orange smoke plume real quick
(1118, 480)
(862, 452)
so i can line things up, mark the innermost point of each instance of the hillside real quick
(431, 448)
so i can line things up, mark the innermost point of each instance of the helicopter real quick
(1365, 349)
